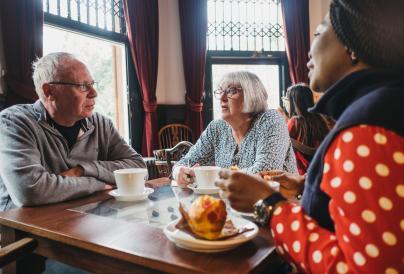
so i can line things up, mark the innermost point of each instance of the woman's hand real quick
(243, 190)
(290, 185)
(185, 176)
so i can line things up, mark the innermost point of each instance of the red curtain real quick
(296, 26)
(143, 32)
(193, 20)
(22, 28)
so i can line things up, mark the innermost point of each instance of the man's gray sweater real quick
(33, 153)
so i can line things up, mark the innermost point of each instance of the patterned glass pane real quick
(103, 14)
(245, 25)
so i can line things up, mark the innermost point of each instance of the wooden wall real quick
(170, 114)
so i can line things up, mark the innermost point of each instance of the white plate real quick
(186, 241)
(132, 198)
(199, 190)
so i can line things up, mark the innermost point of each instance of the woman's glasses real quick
(229, 92)
(83, 87)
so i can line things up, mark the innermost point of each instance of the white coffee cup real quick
(130, 181)
(206, 176)
(274, 185)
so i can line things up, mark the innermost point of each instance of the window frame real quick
(134, 99)
(73, 25)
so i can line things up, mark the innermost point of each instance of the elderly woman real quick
(248, 136)
(351, 219)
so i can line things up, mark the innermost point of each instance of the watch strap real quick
(263, 209)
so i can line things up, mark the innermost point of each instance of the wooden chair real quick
(151, 168)
(177, 152)
(172, 134)
(164, 159)
(16, 250)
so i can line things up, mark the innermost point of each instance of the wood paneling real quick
(170, 114)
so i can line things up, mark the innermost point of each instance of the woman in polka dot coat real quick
(351, 218)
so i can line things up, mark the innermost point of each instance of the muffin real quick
(206, 217)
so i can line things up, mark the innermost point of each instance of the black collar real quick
(352, 87)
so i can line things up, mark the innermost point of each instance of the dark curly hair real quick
(373, 29)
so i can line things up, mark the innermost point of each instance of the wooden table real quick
(109, 245)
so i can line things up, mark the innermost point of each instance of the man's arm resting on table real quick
(26, 180)
(120, 155)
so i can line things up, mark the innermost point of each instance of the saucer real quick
(204, 190)
(131, 197)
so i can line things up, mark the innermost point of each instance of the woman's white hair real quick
(48, 68)
(255, 94)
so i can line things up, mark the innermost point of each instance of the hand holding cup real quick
(185, 176)
(291, 185)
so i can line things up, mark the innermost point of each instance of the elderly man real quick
(58, 149)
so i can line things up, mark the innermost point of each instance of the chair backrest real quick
(172, 134)
(177, 152)
(152, 170)
(164, 159)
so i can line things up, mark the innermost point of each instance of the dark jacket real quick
(372, 97)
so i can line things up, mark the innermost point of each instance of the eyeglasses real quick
(284, 98)
(229, 92)
(84, 87)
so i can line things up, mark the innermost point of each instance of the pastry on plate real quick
(206, 217)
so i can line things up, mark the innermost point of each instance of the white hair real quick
(48, 68)
(255, 94)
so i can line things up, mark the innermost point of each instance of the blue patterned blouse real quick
(266, 146)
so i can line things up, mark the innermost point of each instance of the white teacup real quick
(130, 181)
(274, 185)
(206, 176)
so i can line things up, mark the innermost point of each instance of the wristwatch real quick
(264, 208)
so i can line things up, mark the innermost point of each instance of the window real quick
(94, 32)
(245, 35)
(101, 14)
(245, 25)
(105, 61)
